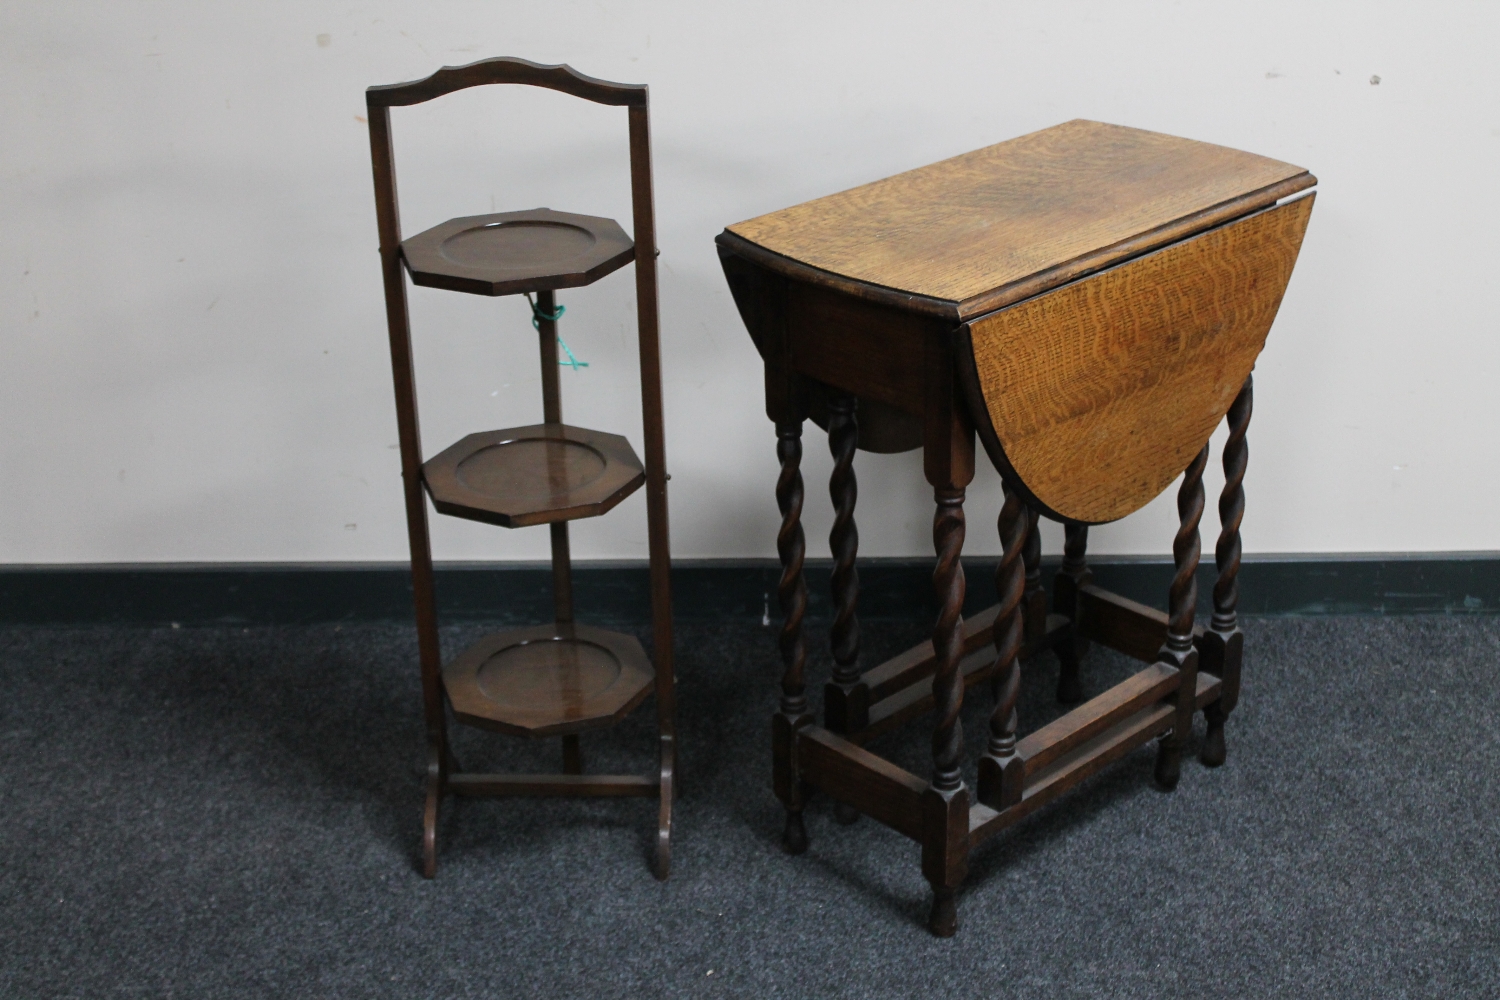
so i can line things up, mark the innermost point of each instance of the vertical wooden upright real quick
(652, 413)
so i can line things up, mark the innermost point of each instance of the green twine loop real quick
(537, 315)
(572, 361)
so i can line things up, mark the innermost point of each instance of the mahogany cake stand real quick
(560, 678)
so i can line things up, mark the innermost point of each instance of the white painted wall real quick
(192, 354)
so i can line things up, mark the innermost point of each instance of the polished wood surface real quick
(903, 669)
(510, 252)
(883, 428)
(858, 778)
(548, 680)
(539, 474)
(1063, 735)
(506, 69)
(839, 341)
(914, 699)
(1072, 770)
(1084, 761)
(975, 231)
(1131, 628)
(1096, 395)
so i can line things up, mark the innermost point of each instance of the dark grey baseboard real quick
(616, 593)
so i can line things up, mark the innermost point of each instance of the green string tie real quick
(537, 315)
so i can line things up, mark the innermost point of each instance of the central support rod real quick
(562, 558)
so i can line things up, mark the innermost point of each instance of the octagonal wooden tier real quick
(548, 680)
(539, 474)
(513, 252)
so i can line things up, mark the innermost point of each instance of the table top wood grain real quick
(1098, 394)
(980, 231)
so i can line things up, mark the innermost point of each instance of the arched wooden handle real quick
(506, 69)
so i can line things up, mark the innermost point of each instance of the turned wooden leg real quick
(1071, 577)
(846, 702)
(791, 547)
(946, 801)
(1034, 604)
(1001, 773)
(947, 639)
(1178, 651)
(1222, 646)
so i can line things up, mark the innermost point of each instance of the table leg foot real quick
(1212, 752)
(572, 750)
(1168, 763)
(662, 868)
(942, 920)
(794, 834)
(1070, 690)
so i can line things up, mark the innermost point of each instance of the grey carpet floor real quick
(234, 813)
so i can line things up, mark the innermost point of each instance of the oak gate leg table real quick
(1089, 299)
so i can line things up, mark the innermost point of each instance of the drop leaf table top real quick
(1109, 290)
